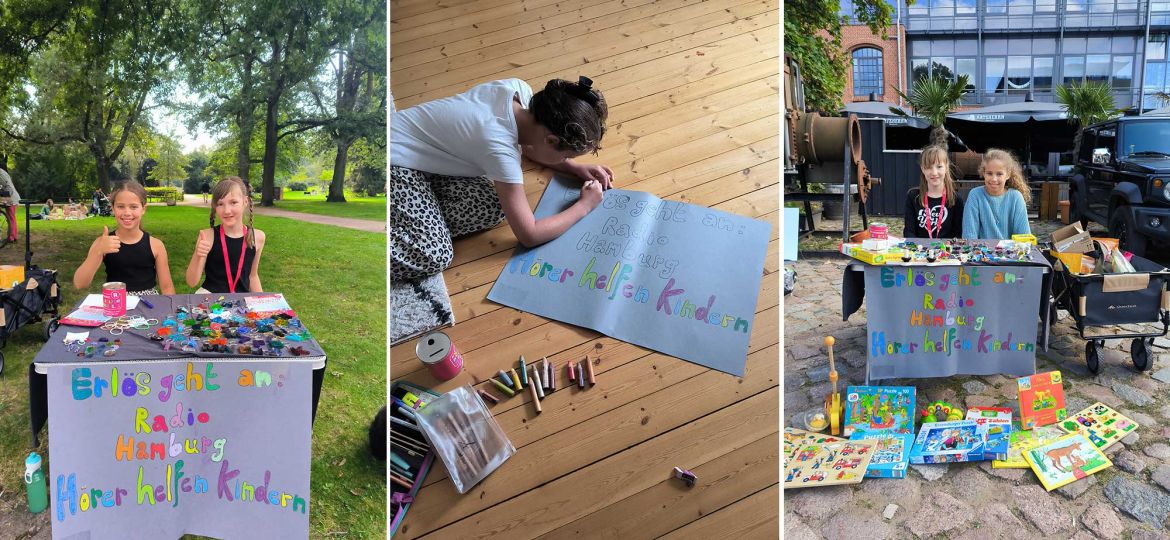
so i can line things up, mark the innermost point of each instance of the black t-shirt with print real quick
(917, 219)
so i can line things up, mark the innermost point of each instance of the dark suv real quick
(1123, 180)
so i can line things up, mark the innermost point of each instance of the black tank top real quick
(133, 265)
(216, 275)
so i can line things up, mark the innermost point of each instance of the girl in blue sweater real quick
(999, 208)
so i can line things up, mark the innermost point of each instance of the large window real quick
(867, 72)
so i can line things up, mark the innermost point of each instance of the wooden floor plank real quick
(692, 88)
(669, 505)
(712, 427)
(603, 54)
(752, 518)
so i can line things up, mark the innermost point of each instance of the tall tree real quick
(113, 55)
(1087, 104)
(812, 35)
(169, 160)
(933, 98)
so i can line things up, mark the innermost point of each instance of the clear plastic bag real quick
(466, 437)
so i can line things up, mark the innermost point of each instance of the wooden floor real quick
(693, 95)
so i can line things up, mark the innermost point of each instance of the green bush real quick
(298, 186)
(169, 195)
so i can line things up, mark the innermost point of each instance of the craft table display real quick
(929, 320)
(673, 277)
(154, 443)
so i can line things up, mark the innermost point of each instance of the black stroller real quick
(26, 302)
(101, 207)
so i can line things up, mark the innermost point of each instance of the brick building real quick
(877, 66)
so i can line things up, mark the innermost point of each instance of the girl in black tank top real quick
(142, 262)
(227, 256)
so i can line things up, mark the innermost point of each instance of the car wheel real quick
(1121, 226)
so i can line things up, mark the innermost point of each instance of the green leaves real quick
(933, 98)
(1087, 103)
(823, 65)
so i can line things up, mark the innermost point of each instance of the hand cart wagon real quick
(1111, 300)
(27, 301)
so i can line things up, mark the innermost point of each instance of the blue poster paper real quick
(669, 276)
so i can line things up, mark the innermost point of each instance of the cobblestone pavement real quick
(972, 500)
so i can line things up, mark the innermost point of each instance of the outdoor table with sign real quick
(158, 443)
(932, 320)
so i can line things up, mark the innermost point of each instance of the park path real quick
(349, 223)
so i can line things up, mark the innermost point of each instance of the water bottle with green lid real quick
(34, 484)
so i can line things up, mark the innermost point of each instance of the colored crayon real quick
(504, 377)
(407, 412)
(589, 368)
(401, 471)
(547, 374)
(580, 377)
(483, 393)
(571, 375)
(517, 383)
(535, 398)
(400, 481)
(552, 380)
(523, 373)
(500, 386)
(536, 382)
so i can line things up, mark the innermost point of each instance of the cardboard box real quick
(1072, 239)
(11, 276)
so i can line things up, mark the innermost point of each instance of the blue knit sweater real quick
(999, 217)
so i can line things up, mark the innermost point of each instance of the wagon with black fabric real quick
(28, 300)
(1107, 301)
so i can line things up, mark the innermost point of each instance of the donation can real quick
(34, 484)
(879, 230)
(439, 355)
(114, 299)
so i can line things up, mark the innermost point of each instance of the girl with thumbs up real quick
(129, 253)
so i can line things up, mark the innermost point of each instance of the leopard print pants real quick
(427, 210)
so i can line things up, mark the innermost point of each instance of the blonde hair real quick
(221, 190)
(936, 154)
(1015, 172)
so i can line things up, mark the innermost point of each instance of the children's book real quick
(995, 425)
(1041, 399)
(1100, 424)
(1065, 460)
(1023, 439)
(879, 409)
(891, 454)
(948, 442)
(828, 464)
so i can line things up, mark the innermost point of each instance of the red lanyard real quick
(227, 265)
(930, 231)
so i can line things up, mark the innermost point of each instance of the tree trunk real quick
(247, 123)
(268, 185)
(337, 186)
(103, 171)
(938, 136)
(1077, 144)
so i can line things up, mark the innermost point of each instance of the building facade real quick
(1012, 48)
(876, 64)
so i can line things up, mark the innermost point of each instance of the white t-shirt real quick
(468, 134)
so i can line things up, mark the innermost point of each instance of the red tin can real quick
(439, 355)
(114, 299)
(879, 230)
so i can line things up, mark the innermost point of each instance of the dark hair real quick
(130, 186)
(574, 112)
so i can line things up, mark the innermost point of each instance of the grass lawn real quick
(356, 206)
(342, 304)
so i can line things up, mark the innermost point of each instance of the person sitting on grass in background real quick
(46, 209)
(223, 252)
(934, 209)
(999, 208)
(130, 254)
(455, 166)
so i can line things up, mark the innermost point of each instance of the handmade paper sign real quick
(674, 277)
(946, 320)
(162, 449)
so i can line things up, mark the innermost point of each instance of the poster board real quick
(944, 321)
(669, 276)
(162, 449)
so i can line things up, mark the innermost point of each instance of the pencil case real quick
(410, 456)
(465, 436)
